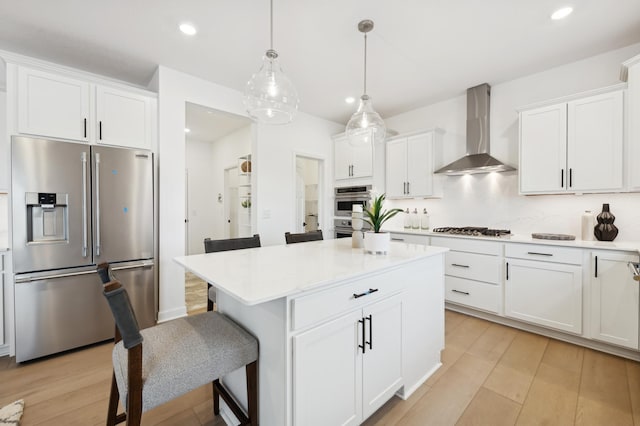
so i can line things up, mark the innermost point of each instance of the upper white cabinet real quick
(410, 165)
(55, 105)
(352, 161)
(574, 146)
(124, 118)
(631, 73)
(615, 299)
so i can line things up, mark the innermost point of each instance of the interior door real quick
(122, 204)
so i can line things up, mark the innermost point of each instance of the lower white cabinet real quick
(2, 280)
(345, 369)
(615, 299)
(544, 293)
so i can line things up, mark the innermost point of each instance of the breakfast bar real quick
(340, 331)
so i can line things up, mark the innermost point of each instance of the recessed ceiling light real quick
(188, 29)
(187, 130)
(350, 100)
(561, 13)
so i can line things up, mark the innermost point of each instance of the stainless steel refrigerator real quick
(75, 206)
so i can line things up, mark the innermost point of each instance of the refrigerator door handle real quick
(29, 279)
(84, 205)
(139, 265)
(97, 204)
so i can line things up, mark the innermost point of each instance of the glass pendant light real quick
(269, 96)
(366, 125)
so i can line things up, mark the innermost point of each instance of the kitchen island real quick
(340, 331)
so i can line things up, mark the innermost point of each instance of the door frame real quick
(322, 163)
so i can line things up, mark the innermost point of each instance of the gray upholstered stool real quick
(179, 356)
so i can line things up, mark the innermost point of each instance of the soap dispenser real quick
(415, 219)
(407, 219)
(424, 220)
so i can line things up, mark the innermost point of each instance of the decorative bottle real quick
(588, 222)
(605, 230)
(407, 219)
(415, 219)
(424, 220)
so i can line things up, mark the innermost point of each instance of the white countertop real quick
(526, 239)
(259, 275)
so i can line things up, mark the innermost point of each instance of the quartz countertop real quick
(526, 239)
(262, 274)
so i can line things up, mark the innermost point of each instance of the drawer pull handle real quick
(539, 254)
(397, 239)
(459, 266)
(461, 292)
(371, 290)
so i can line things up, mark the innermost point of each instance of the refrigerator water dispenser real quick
(47, 217)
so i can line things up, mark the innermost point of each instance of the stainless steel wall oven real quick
(347, 196)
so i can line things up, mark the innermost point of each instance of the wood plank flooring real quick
(195, 293)
(491, 375)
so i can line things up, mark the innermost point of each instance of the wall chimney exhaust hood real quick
(477, 159)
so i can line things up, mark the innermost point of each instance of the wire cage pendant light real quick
(366, 125)
(269, 95)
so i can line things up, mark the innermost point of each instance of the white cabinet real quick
(352, 161)
(66, 107)
(543, 291)
(632, 68)
(410, 165)
(346, 369)
(124, 118)
(53, 105)
(615, 299)
(574, 146)
(2, 285)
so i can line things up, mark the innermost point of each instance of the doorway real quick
(308, 197)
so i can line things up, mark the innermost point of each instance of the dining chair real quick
(303, 237)
(160, 363)
(211, 246)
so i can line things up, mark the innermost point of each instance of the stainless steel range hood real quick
(477, 159)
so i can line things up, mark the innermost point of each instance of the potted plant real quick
(376, 241)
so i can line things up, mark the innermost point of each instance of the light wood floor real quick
(492, 375)
(195, 293)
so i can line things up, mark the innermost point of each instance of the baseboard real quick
(226, 414)
(404, 394)
(164, 316)
(4, 350)
(576, 340)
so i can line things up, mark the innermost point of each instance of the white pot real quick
(377, 242)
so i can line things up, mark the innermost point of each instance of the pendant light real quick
(366, 125)
(269, 96)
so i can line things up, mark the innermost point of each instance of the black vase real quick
(605, 230)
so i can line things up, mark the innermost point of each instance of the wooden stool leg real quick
(252, 392)
(209, 302)
(134, 391)
(216, 398)
(114, 396)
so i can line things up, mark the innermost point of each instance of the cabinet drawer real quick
(410, 238)
(468, 245)
(316, 307)
(479, 267)
(472, 293)
(544, 253)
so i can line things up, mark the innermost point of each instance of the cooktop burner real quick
(474, 231)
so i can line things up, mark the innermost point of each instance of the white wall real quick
(492, 200)
(200, 198)
(273, 149)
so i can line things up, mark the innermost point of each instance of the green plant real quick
(246, 204)
(375, 216)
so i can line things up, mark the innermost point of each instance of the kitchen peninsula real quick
(340, 331)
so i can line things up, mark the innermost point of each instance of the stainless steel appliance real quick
(342, 228)
(347, 196)
(75, 206)
(474, 231)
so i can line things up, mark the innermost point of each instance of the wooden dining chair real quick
(303, 237)
(211, 246)
(160, 363)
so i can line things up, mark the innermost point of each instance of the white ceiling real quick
(420, 51)
(209, 125)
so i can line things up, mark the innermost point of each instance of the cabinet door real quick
(548, 294)
(594, 142)
(2, 266)
(124, 118)
(615, 299)
(52, 105)
(362, 160)
(543, 149)
(327, 373)
(382, 361)
(420, 165)
(396, 168)
(341, 158)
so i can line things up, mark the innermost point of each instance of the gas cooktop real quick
(474, 231)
